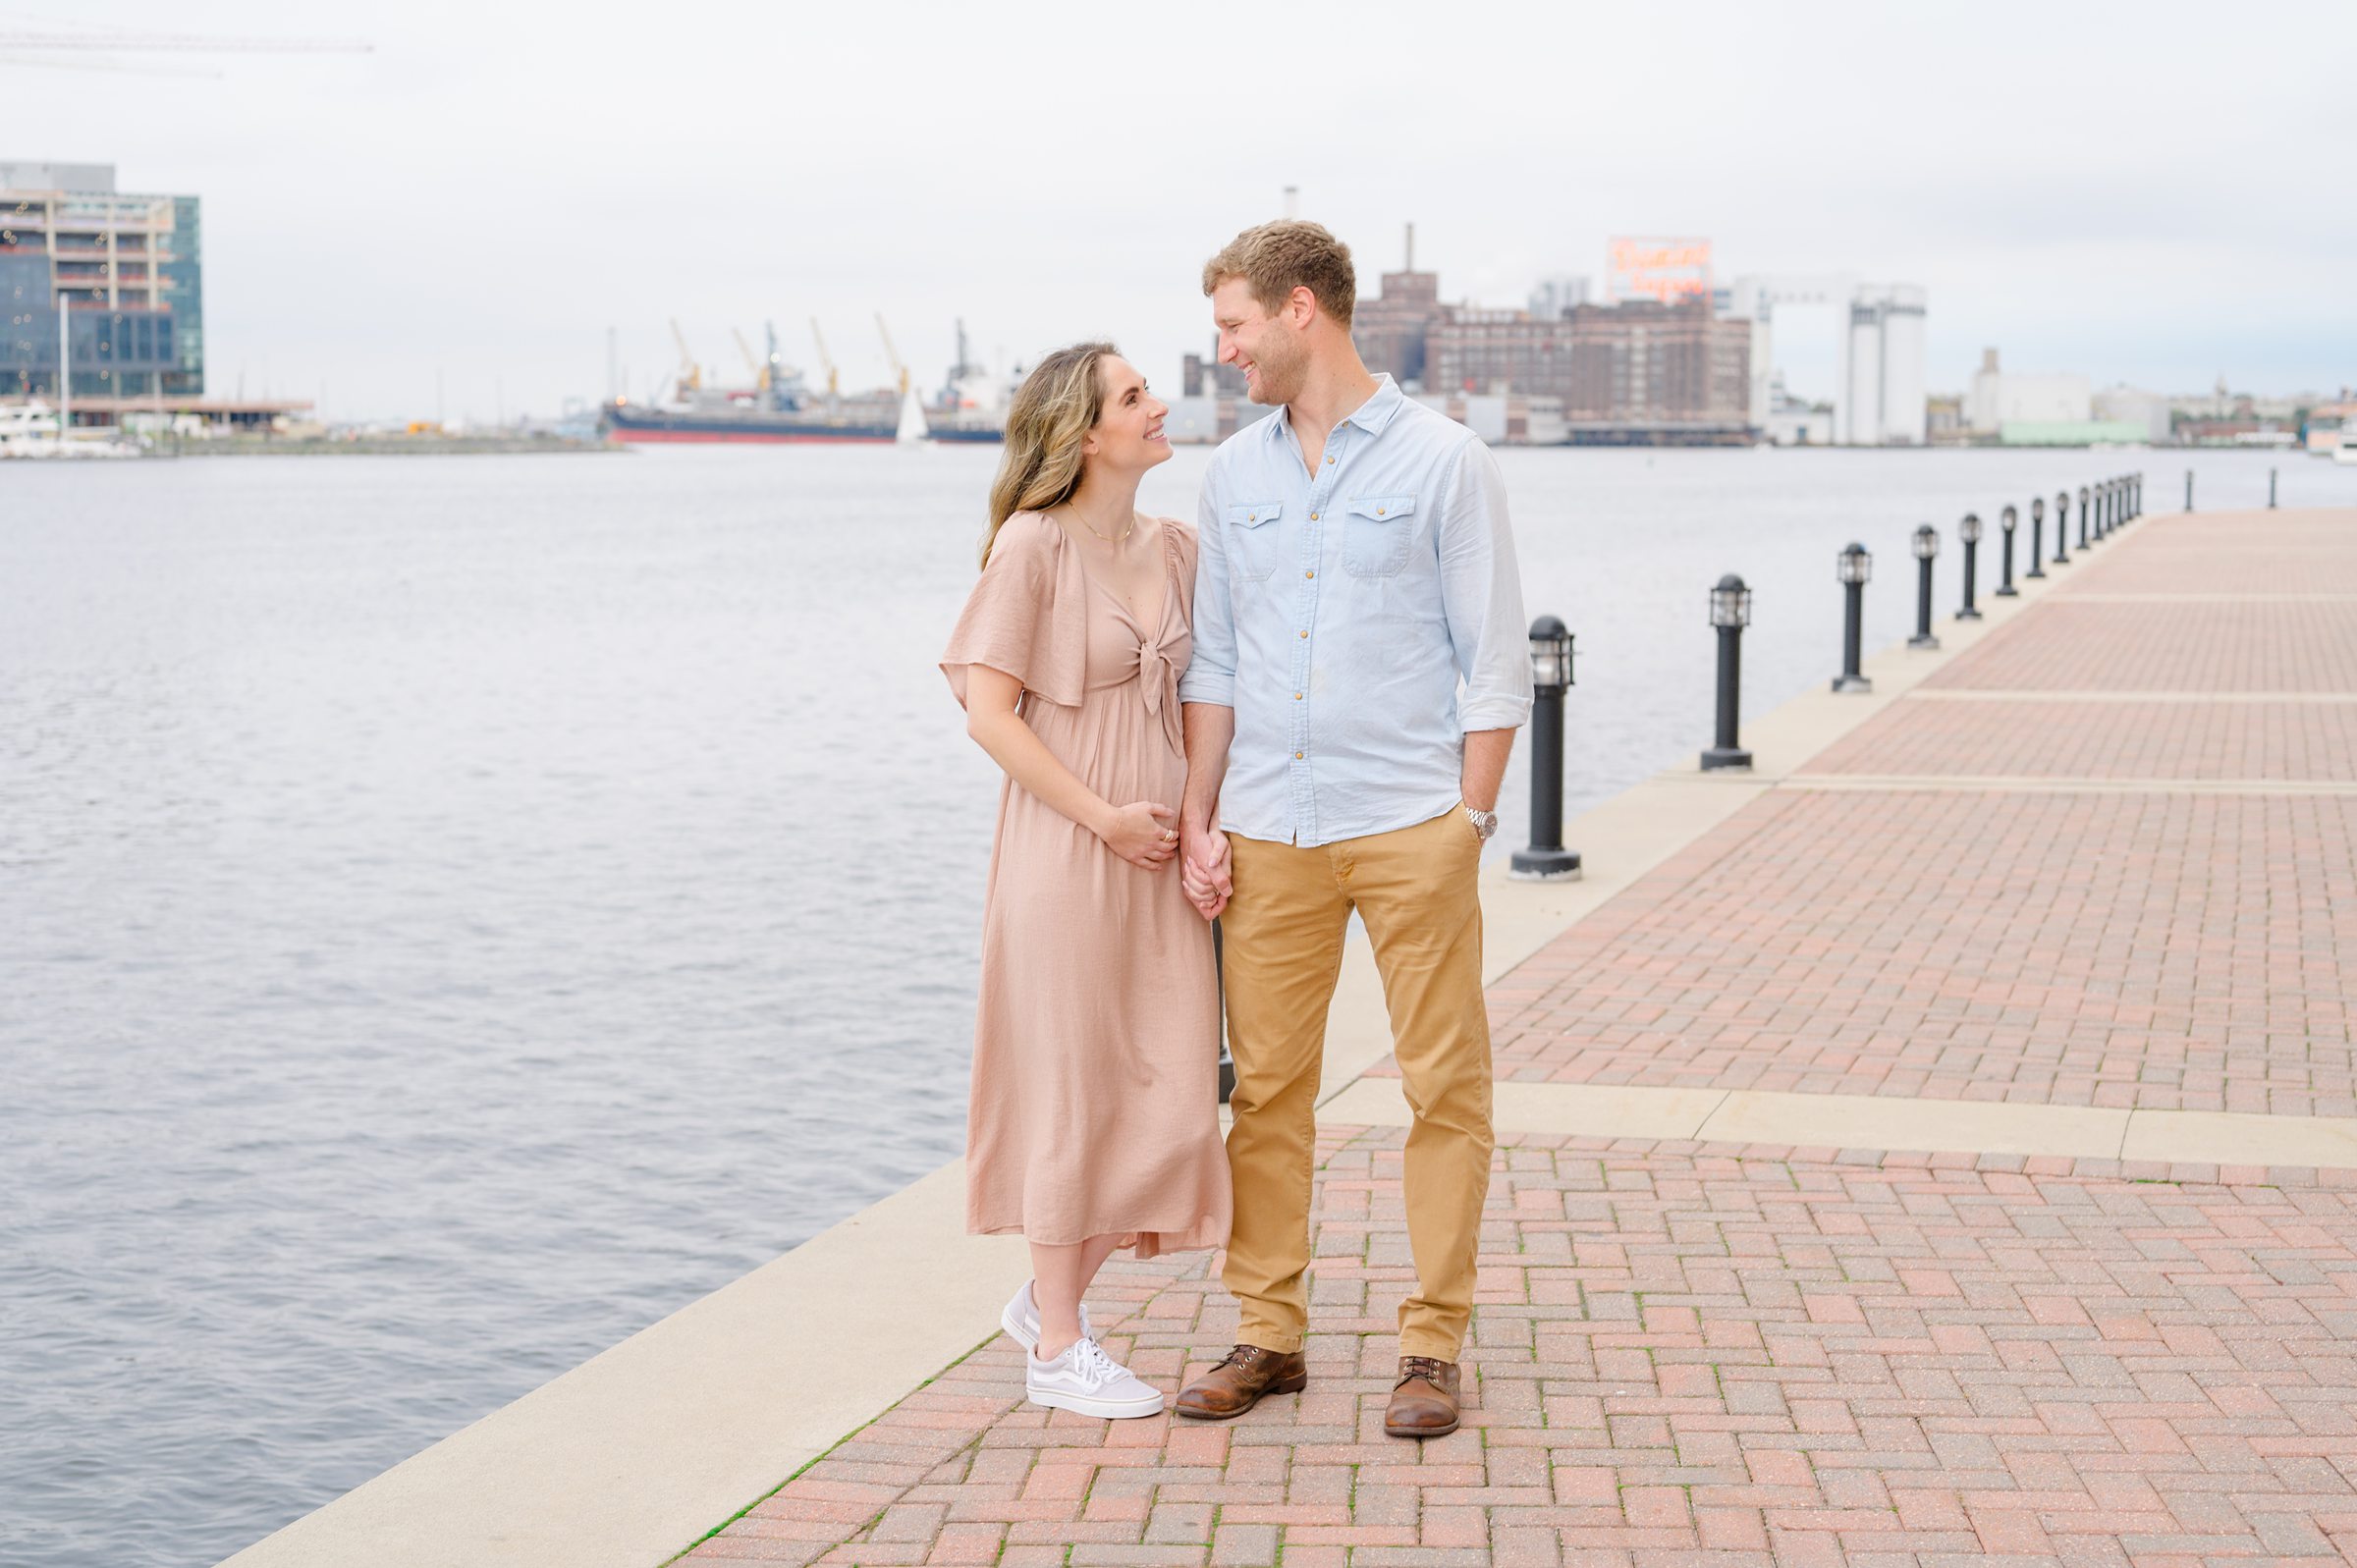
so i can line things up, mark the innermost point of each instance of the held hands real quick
(1207, 874)
(1141, 833)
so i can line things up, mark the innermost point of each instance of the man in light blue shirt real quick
(1359, 669)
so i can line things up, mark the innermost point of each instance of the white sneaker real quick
(1086, 1380)
(1020, 1320)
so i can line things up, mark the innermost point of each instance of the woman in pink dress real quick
(1093, 1122)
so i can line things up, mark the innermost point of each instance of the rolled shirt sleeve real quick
(1481, 597)
(1211, 673)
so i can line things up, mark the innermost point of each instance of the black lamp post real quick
(2136, 494)
(2062, 527)
(2270, 489)
(2110, 506)
(1854, 568)
(1969, 530)
(1926, 545)
(2037, 537)
(2082, 516)
(2189, 490)
(1547, 861)
(2006, 521)
(1731, 613)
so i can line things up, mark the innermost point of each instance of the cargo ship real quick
(777, 407)
(970, 406)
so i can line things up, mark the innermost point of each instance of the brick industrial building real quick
(1640, 372)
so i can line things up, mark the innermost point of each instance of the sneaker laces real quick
(1091, 1365)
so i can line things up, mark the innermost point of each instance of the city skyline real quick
(378, 223)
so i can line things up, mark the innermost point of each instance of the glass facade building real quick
(128, 271)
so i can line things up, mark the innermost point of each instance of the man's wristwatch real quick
(1485, 823)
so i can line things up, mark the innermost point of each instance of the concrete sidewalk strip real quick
(1876, 1121)
(1586, 1110)
(2228, 1138)
(1929, 1126)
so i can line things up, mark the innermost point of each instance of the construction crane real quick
(16, 42)
(826, 361)
(893, 355)
(691, 378)
(752, 363)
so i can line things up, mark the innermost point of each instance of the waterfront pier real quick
(1937, 1143)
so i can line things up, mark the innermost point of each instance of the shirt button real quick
(1298, 756)
(1303, 634)
(1313, 516)
(1330, 458)
(1297, 697)
(1309, 574)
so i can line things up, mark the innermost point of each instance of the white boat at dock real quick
(32, 429)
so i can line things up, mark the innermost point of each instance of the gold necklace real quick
(1074, 513)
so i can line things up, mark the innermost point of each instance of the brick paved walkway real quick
(1734, 1355)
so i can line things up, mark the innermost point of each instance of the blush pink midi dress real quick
(1094, 1105)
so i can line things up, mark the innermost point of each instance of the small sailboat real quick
(912, 417)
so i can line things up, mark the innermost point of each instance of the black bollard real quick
(2006, 521)
(2037, 537)
(2082, 516)
(1547, 861)
(1731, 613)
(1854, 568)
(2103, 509)
(2189, 490)
(2270, 489)
(1969, 530)
(2062, 527)
(1926, 545)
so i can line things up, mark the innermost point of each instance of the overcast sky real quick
(2156, 193)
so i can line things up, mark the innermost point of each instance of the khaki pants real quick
(1416, 890)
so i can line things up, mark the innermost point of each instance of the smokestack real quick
(1411, 247)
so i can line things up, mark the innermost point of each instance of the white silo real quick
(1903, 412)
(1864, 401)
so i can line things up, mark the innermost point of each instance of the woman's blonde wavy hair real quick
(1054, 410)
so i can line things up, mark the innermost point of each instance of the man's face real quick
(1266, 346)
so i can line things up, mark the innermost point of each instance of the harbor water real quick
(454, 911)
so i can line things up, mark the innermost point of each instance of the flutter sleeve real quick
(1023, 618)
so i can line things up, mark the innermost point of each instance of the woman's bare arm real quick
(1134, 830)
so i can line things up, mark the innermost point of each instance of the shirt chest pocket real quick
(1375, 536)
(1252, 539)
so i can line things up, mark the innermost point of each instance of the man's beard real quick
(1281, 377)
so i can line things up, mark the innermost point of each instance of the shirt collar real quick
(1376, 412)
(1371, 415)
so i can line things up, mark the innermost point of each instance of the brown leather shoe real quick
(1423, 1400)
(1236, 1385)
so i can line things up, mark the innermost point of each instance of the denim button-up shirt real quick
(1360, 620)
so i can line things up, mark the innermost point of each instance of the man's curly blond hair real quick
(1275, 258)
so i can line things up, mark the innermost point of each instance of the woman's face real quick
(1129, 429)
